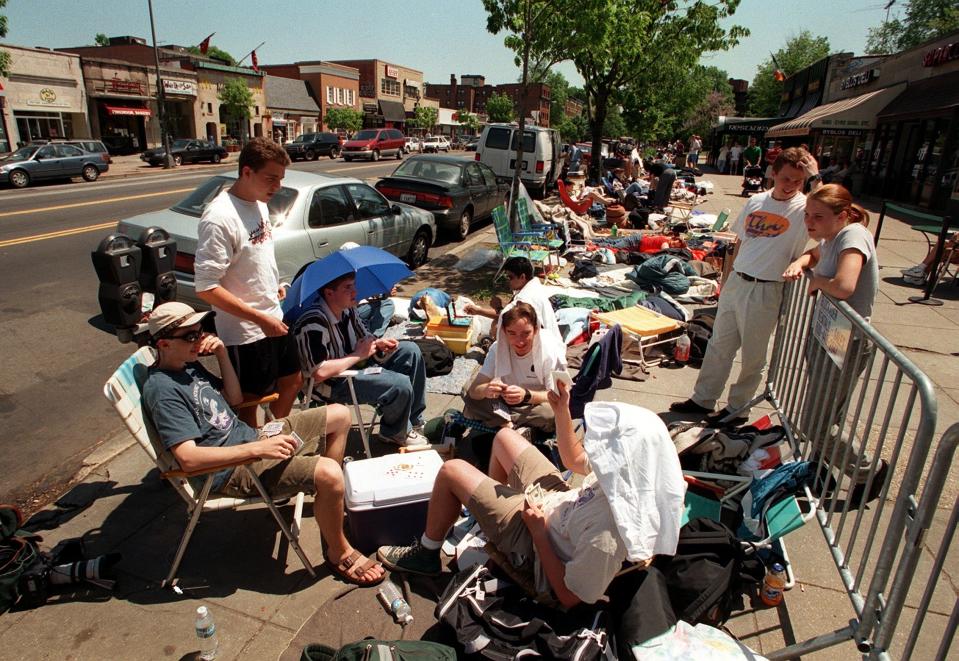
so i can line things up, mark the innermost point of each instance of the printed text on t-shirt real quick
(765, 224)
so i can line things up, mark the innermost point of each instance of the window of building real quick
(209, 108)
(329, 94)
(339, 95)
(350, 97)
(256, 110)
(390, 87)
(412, 92)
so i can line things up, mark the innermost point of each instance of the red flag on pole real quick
(205, 44)
(255, 61)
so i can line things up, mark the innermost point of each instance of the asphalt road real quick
(56, 351)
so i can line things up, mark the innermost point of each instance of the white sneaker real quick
(917, 271)
(912, 280)
(409, 439)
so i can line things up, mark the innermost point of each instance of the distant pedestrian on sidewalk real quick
(236, 274)
(771, 234)
(695, 145)
(734, 154)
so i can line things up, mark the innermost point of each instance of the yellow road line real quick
(58, 234)
(92, 202)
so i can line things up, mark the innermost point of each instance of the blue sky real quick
(439, 37)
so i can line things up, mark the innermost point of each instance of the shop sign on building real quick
(125, 86)
(47, 97)
(391, 72)
(841, 132)
(941, 55)
(858, 79)
(184, 87)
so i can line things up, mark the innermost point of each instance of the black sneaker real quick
(689, 406)
(715, 417)
(413, 559)
(878, 480)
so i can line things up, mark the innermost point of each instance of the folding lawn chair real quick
(365, 432)
(539, 233)
(580, 207)
(123, 389)
(509, 246)
(649, 327)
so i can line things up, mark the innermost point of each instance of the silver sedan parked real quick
(312, 215)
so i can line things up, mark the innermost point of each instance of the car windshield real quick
(365, 135)
(22, 154)
(180, 144)
(194, 203)
(431, 170)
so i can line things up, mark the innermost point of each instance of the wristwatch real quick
(526, 397)
(814, 178)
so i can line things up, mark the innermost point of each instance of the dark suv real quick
(310, 146)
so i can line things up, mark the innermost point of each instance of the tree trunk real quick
(600, 110)
(520, 133)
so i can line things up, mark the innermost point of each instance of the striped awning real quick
(857, 113)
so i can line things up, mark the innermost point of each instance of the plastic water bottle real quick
(682, 349)
(206, 634)
(393, 600)
(773, 585)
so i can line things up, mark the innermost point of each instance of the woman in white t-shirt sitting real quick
(844, 266)
(510, 388)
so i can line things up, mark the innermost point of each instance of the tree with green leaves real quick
(101, 39)
(469, 122)
(5, 60)
(215, 53)
(630, 52)
(799, 52)
(702, 116)
(236, 100)
(424, 117)
(347, 119)
(499, 108)
(920, 21)
(573, 129)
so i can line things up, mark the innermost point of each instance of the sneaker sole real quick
(394, 567)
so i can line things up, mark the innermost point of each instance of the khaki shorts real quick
(498, 508)
(283, 478)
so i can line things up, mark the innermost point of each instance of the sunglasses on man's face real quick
(191, 337)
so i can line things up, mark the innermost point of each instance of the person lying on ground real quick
(190, 409)
(510, 388)
(568, 542)
(331, 339)
(916, 275)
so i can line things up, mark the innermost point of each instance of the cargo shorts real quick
(284, 478)
(498, 508)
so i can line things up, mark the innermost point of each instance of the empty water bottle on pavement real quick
(773, 585)
(392, 598)
(206, 634)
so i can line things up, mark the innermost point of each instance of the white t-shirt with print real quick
(235, 251)
(771, 234)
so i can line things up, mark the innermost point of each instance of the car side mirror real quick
(395, 210)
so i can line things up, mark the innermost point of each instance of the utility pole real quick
(161, 96)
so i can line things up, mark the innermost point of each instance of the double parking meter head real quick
(158, 252)
(117, 262)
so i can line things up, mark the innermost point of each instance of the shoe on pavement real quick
(911, 280)
(408, 439)
(689, 406)
(715, 418)
(413, 559)
(917, 271)
(878, 480)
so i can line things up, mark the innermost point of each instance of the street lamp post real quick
(161, 96)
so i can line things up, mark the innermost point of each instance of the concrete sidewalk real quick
(131, 166)
(266, 606)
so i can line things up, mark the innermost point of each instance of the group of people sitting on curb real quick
(574, 539)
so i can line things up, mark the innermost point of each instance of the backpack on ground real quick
(699, 329)
(380, 650)
(19, 554)
(437, 357)
(709, 573)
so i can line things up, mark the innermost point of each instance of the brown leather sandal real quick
(347, 569)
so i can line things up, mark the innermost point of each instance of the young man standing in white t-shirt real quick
(772, 233)
(236, 274)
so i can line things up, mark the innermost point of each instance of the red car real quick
(373, 143)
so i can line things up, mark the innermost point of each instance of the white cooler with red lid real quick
(387, 497)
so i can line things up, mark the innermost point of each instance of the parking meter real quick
(156, 273)
(117, 263)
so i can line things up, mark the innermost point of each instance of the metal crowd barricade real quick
(849, 398)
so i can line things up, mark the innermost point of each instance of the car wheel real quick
(399, 154)
(216, 159)
(463, 228)
(178, 161)
(310, 155)
(19, 179)
(419, 249)
(335, 153)
(376, 155)
(90, 173)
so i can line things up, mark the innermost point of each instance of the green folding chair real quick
(509, 246)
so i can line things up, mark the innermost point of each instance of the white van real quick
(542, 157)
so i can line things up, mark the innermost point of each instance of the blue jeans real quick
(376, 315)
(398, 392)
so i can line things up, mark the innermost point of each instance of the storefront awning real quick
(858, 112)
(931, 96)
(129, 112)
(393, 111)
